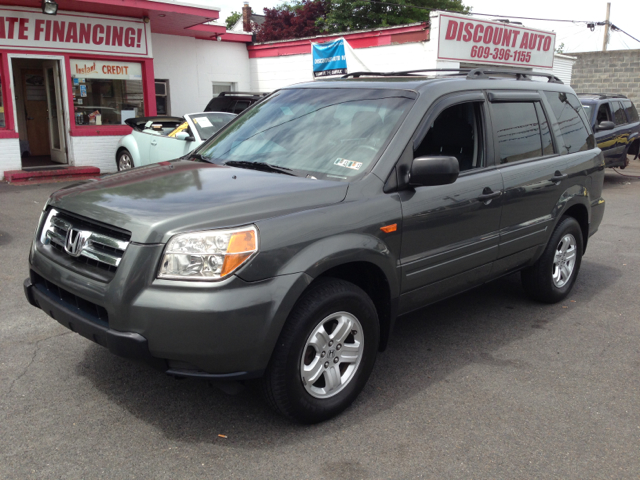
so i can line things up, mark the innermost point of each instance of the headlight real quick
(209, 256)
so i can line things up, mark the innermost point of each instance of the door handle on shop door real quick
(488, 195)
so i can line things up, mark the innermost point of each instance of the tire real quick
(124, 160)
(308, 379)
(553, 275)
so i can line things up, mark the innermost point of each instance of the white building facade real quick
(64, 94)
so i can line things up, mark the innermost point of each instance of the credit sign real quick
(466, 39)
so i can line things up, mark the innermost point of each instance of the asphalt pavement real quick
(487, 384)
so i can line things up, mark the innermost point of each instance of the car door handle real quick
(488, 195)
(154, 143)
(558, 177)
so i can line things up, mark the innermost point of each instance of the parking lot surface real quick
(487, 384)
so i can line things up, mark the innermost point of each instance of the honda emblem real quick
(75, 241)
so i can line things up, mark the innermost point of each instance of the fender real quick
(337, 250)
(129, 142)
(577, 199)
(633, 139)
(574, 195)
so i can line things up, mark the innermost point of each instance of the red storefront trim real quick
(373, 38)
(148, 89)
(9, 130)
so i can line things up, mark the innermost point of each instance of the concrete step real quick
(56, 174)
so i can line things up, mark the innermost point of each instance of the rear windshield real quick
(326, 133)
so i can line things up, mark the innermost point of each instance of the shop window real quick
(162, 97)
(106, 93)
(218, 88)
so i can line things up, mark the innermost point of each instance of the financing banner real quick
(329, 58)
(29, 29)
(466, 39)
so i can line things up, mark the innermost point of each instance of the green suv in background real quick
(614, 120)
(286, 246)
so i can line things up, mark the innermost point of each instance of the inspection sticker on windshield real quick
(343, 162)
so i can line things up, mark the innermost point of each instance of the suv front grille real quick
(83, 240)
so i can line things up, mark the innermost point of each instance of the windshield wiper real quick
(197, 156)
(262, 166)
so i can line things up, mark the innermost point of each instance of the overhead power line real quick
(589, 23)
(617, 29)
(474, 13)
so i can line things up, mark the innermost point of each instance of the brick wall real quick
(608, 72)
(95, 152)
(9, 155)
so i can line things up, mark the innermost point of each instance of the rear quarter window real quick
(618, 113)
(570, 122)
(630, 109)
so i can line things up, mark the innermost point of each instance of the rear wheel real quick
(552, 277)
(325, 353)
(124, 160)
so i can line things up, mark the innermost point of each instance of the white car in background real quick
(158, 139)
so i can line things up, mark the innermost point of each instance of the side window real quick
(604, 114)
(547, 144)
(241, 105)
(456, 132)
(570, 122)
(618, 113)
(517, 130)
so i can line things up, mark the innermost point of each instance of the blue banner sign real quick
(329, 58)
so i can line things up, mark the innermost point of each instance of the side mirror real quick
(426, 171)
(185, 136)
(606, 125)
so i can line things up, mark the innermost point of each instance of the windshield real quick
(209, 123)
(326, 133)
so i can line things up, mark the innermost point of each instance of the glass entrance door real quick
(55, 112)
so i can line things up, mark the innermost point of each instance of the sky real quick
(576, 37)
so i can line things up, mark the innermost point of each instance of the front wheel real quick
(325, 353)
(552, 277)
(124, 160)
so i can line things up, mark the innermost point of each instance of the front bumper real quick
(226, 330)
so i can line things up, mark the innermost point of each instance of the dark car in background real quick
(233, 102)
(614, 121)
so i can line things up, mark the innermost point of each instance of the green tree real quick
(349, 15)
(233, 19)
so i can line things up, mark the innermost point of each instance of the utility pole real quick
(606, 29)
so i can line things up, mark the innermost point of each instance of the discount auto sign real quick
(465, 39)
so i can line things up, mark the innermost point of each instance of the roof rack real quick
(602, 96)
(483, 73)
(253, 94)
(471, 74)
(407, 73)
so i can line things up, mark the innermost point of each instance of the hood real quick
(157, 201)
